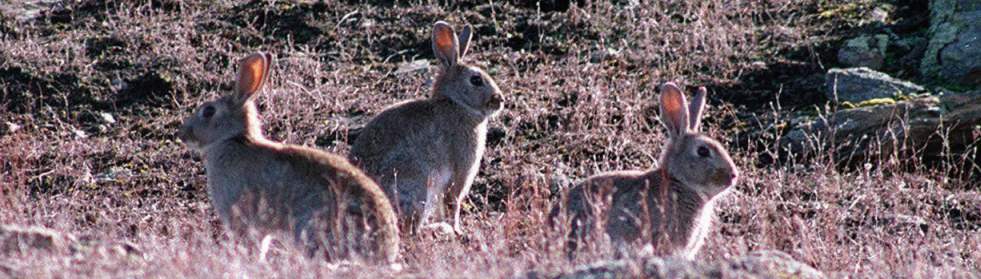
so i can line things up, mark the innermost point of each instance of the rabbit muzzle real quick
(186, 135)
(725, 178)
(493, 105)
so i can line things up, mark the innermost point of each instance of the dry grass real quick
(579, 100)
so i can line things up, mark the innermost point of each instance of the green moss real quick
(848, 11)
(902, 97)
(877, 102)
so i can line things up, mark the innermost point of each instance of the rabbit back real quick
(584, 209)
(633, 208)
(649, 209)
(274, 187)
(400, 129)
(259, 185)
(416, 149)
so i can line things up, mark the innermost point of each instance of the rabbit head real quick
(466, 85)
(232, 115)
(691, 157)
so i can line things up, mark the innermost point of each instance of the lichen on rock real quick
(864, 51)
(954, 48)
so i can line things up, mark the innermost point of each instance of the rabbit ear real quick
(252, 73)
(445, 44)
(464, 38)
(674, 110)
(695, 110)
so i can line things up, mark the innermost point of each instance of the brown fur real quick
(256, 184)
(426, 153)
(668, 207)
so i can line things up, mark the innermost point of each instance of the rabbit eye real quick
(208, 111)
(703, 151)
(476, 80)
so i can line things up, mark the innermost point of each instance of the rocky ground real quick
(856, 124)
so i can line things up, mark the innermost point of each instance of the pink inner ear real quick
(251, 74)
(444, 38)
(445, 44)
(254, 75)
(674, 109)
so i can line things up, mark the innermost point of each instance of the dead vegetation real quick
(92, 93)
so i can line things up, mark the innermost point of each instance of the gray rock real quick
(79, 134)
(864, 51)
(114, 173)
(894, 223)
(955, 42)
(28, 9)
(106, 118)
(774, 264)
(17, 240)
(856, 85)
(603, 55)
(119, 84)
(421, 66)
(9, 127)
(10, 272)
(763, 264)
(559, 179)
(912, 124)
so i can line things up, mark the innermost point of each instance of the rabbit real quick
(258, 184)
(425, 153)
(667, 208)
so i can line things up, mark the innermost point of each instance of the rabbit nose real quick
(184, 134)
(495, 101)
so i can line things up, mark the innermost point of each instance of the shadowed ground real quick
(92, 94)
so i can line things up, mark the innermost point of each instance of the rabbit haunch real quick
(257, 185)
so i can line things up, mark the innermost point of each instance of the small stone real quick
(421, 66)
(880, 14)
(604, 55)
(440, 229)
(85, 178)
(864, 51)
(14, 239)
(558, 178)
(760, 264)
(856, 85)
(118, 84)
(126, 248)
(367, 23)
(11, 127)
(10, 271)
(107, 118)
(113, 173)
(79, 134)
(771, 263)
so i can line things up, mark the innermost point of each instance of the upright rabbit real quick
(258, 184)
(669, 207)
(426, 153)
